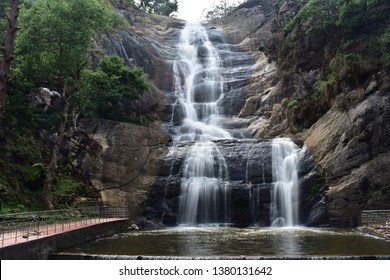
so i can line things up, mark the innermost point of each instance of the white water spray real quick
(285, 158)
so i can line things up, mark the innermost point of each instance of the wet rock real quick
(249, 165)
(45, 98)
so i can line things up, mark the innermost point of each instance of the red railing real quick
(21, 227)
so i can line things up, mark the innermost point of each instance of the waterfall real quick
(199, 86)
(222, 180)
(285, 194)
(205, 191)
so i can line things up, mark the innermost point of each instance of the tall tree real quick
(161, 7)
(53, 48)
(7, 51)
(219, 9)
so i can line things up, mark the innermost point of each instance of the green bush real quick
(293, 104)
(105, 88)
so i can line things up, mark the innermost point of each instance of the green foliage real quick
(106, 88)
(4, 8)
(319, 13)
(65, 185)
(384, 42)
(21, 159)
(357, 36)
(51, 47)
(161, 7)
(315, 188)
(54, 38)
(219, 9)
(293, 104)
(123, 3)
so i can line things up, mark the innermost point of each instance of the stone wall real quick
(370, 217)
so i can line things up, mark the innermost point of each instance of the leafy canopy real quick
(54, 38)
(106, 88)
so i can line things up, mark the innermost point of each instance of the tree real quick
(106, 88)
(219, 9)
(7, 50)
(53, 50)
(161, 7)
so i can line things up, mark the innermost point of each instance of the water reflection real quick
(280, 242)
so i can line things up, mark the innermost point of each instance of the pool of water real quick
(212, 242)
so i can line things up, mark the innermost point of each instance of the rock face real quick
(145, 43)
(352, 147)
(348, 148)
(348, 138)
(250, 184)
(45, 98)
(127, 163)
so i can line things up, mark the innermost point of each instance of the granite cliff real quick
(346, 130)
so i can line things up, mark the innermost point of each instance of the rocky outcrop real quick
(347, 132)
(126, 166)
(145, 41)
(352, 147)
(348, 137)
(250, 184)
(45, 98)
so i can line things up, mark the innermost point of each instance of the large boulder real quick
(128, 163)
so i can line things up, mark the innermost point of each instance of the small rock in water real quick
(134, 227)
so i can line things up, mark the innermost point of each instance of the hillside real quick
(331, 90)
(319, 73)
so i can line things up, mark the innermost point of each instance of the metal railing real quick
(369, 217)
(21, 227)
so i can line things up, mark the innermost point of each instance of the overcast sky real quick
(191, 10)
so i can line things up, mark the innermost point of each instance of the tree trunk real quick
(7, 49)
(51, 169)
(50, 172)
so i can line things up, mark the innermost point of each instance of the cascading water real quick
(285, 155)
(222, 180)
(199, 85)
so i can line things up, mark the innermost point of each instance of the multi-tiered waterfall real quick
(199, 86)
(215, 174)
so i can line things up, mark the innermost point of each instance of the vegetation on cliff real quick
(347, 41)
(52, 50)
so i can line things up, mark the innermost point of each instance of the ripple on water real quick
(213, 241)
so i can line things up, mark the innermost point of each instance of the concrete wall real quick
(370, 217)
(40, 249)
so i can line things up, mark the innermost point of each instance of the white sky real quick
(191, 10)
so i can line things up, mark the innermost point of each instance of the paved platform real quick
(17, 236)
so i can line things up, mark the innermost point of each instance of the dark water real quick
(208, 242)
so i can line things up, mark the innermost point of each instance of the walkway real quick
(15, 237)
(24, 227)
